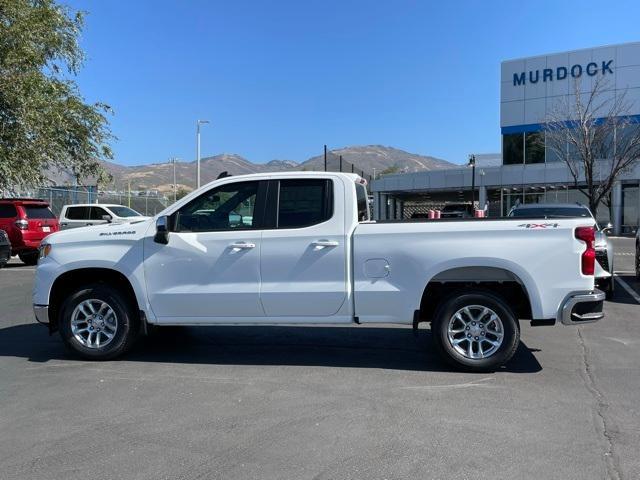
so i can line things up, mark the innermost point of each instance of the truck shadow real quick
(393, 347)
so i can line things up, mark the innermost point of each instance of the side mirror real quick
(107, 218)
(162, 231)
(608, 228)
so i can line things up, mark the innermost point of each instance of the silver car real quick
(603, 246)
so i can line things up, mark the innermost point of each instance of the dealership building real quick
(526, 170)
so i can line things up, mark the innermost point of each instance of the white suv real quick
(84, 215)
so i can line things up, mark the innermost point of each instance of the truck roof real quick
(524, 206)
(95, 205)
(354, 177)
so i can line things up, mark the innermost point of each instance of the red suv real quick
(27, 221)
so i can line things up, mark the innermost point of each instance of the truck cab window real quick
(228, 207)
(302, 203)
(361, 197)
(77, 213)
(96, 213)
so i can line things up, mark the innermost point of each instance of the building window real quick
(534, 147)
(513, 149)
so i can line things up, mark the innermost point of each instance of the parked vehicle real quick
(457, 210)
(311, 255)
(86, 215)
(604, 248)
(26, 221)
(5, 248)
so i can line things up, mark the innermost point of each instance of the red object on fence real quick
(437, 212)
(479, 213)
(432, 214)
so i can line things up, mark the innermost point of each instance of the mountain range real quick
(365, 159)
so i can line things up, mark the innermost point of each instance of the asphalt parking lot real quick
(320, 402)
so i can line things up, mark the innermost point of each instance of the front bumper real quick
(42, 313)
(583, 308)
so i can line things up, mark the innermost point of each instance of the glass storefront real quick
(534, 147)
(513, 149)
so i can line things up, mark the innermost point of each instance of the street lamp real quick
(472, 164)
(198, 123)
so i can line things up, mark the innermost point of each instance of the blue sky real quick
(278, 79)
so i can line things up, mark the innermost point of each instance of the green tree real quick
(182, 192)
(45, 123)
(390, 170)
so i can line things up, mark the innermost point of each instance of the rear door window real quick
(302, 203)
(8, 211)
(38, 211)
(77, 213)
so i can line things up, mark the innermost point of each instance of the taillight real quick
(588, 236)
(22, 224)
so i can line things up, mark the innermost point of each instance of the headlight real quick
(45, 250)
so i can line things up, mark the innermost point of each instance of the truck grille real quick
(603, 260)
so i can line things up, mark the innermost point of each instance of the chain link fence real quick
(58, 197)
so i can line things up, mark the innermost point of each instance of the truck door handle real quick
(242, 245)
(325, 243)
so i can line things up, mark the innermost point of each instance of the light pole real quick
(175, 186)
(198, 123)
(472, 163)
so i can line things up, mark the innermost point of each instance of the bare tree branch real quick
(593, 133)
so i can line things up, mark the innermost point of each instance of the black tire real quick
(510, 329)
(29, 258)
(128, 323)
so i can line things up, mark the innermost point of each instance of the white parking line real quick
(20, 269)
(626, 286)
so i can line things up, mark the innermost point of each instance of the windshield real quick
(124, 212)
(551, 212)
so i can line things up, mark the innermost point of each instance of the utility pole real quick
(472, 163)
(340, 162)
(129, 194)
(198, 123)
(175, 186)
(325, 158)
(374, 173)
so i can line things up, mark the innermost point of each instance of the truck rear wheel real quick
(475, 331)
(98, 322)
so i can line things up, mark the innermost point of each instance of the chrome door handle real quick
(325, 243)
(242, 245)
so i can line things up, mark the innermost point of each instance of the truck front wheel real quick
(98, 322)
(475, 331)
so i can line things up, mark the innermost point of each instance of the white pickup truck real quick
(299, 248)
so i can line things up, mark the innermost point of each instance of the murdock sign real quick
(560, 73)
